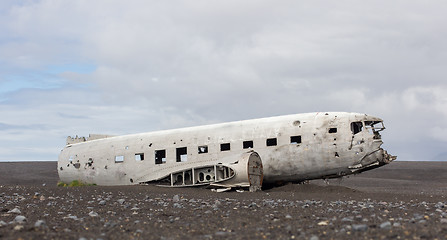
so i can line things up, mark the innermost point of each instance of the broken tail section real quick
(91, 137)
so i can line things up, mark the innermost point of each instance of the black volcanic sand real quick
(404, 200)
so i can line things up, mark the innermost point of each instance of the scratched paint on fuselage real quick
(321, 152)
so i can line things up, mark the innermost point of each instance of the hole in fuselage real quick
(201, 177)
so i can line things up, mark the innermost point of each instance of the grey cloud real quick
(72, 116)
(7, 127)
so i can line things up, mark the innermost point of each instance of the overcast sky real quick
(121, 67)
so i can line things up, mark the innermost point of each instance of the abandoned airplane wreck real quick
(235, 154)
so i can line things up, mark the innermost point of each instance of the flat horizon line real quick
(57, 160)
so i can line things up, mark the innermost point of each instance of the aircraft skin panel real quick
(291, 148)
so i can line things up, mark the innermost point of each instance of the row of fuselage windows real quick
(182, 152)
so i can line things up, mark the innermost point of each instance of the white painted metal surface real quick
(285, 148)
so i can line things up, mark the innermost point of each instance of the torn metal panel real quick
(91, 137)
(286, 148)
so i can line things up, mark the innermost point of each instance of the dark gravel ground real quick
(404, 200)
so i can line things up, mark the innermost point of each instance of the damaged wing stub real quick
(248, 173)
(241, 172)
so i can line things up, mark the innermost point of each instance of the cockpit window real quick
(356, 127)
(374, 127)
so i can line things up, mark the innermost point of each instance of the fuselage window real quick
(356, 127)
(225, 147)
(332, 130)
(295, 139)
(247, 144)
(119, 159)
(181, 154)
(139, 156)
(160, 156)
(271, 142)
(202, 149)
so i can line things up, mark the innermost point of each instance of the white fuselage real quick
(292, 148)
